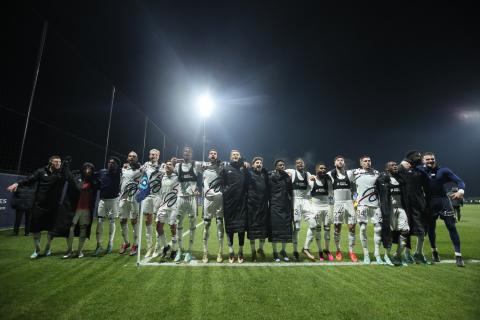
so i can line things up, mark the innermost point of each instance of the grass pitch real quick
(112, 287)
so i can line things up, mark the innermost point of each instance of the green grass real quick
(112, 287)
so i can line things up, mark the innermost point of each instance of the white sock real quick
(82, 238)
(377, 238)
(308, 239)
(162, 239)
(206, 234)
(326, 237)
(124, 227)
(220, 233)
(148, 235)
(318, 238)
(351, 240)
(336, 237)
(363, 237)
(71, 234)
(135, 232)
(111, 231)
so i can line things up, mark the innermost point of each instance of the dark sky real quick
(289, 78)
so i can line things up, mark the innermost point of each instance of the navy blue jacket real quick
(109, 183)
(438, 177)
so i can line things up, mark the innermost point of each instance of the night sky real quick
(289, 78)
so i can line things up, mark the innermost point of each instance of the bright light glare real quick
(205, 104)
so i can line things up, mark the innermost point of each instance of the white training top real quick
(298, 193)
(129, 182)
(365, 183)
(188, 188)
(342, 194)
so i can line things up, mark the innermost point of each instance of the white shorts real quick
(213, 207)
(344, 212)
(150, 204)
(107, 208)
(128, 209)
(365, 213)
(319, 216)
(301, 207)
(167, 215)
(399, 220)
(82, 217)
(186, 206)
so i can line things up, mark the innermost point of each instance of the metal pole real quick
(109, 124)
(204, 140)
(32, 94)
(144, 139)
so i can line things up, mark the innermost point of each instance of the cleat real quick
(420, 259)
(68, 255)
(231, 257)
(164, 252)
(173, 254)
(276, 258)
(149, 252)
(320, 256)
(178, 256)
(296, 256)
(339, 255)
(109, 248)
(98, 251)
(409, 258)
(254, 256)
(134, 250)
(309, 254)
(219, 258)
(80, 255)
(388, 262)
(404, 263)
(34, 255)
(353, 256)
(396, 261)
(241, 259)
(188, 257)
(261, 253)
(435, 256)
(459, 261)
(124, 248)
(284, 256)
(205, 257)
(366, 259)
(328, 255)
(379, 260)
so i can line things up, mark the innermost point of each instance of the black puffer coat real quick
(281, 207)
(234, 177)
(257, 205)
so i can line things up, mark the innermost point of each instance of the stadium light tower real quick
(205, 105)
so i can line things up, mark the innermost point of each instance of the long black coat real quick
(234, 188)
(281, 207)
(48, 193)
(257, 205)
(416, 205)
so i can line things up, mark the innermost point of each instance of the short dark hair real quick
(53, 157)
(320, 164)
(428, 153)
(363, 156)
(339, 156)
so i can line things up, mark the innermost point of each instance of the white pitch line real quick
(195, 263)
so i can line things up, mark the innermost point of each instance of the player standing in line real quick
(343, 207)
(365, 179)
(129, 207)
(321, 188)
(301, 201)
(150, 204)
(108, 204)
(257, 207)
(187, 173)
(167, 209)
(213, 203)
